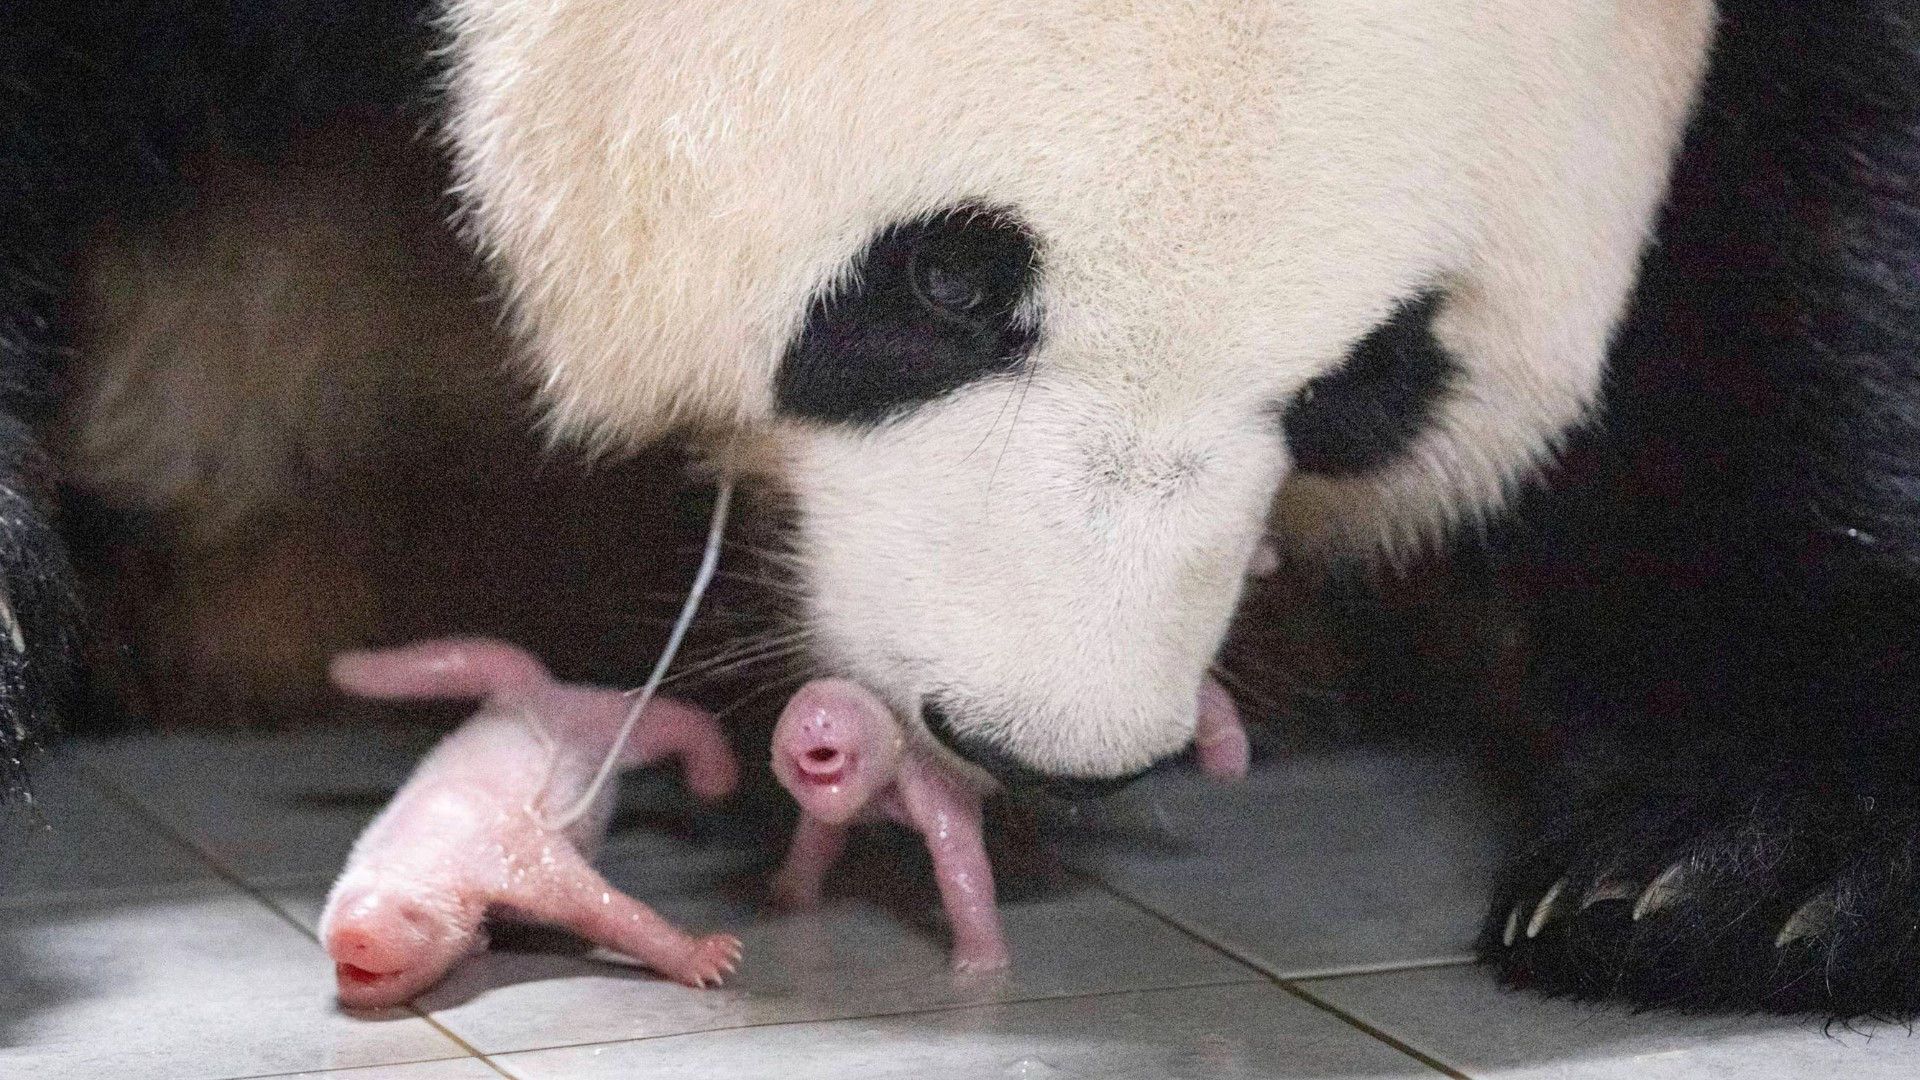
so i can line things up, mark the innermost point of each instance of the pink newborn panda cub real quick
(473, 831)
(839, 752)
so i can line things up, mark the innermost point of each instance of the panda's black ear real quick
(1365, 413)
(930, 306)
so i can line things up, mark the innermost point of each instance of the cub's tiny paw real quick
(709, 962)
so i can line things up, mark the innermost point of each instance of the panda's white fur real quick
(1226, 195)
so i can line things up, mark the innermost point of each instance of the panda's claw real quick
(1780, 891)
(1668, 886)
(1543, 911)
(1608, 888)
(1810, 920)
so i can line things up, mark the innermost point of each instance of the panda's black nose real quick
(1012, 772)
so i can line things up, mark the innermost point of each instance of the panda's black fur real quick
(1725, 578)
(1723, 574)
(62, 156)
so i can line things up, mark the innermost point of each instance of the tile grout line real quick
(158, 822)
(1306, 997)
(345, 1073)
(165, 828)
(1255, 979)
(932, 1010)
(1388, 968)
(1288, 986)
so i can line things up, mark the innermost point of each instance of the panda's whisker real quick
(1019, 404)
(1013, 388)
(791, 680)
(747, 546)
(664, 596)
(771, 637)
(768, 582)
(776, 551)
(758, 649)
(740, 663)
(734, 617)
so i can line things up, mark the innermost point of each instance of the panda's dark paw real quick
(1701, 880)
(39, 614)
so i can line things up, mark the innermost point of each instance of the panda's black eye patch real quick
(930, 306)
(1368, 411)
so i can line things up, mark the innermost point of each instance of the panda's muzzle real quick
(1011, 772)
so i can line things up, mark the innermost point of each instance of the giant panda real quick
(1048, 316)
(1048, 312)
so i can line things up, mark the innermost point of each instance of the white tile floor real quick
(156, 921)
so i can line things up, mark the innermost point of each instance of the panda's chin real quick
(1008, 770)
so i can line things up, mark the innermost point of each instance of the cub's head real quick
(1052, 308)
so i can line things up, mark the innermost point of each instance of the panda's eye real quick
(945, 288)
(972, 267)
(933, 303)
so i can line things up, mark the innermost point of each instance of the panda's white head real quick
(1053, 307)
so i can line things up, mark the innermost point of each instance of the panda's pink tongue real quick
(1219, 738)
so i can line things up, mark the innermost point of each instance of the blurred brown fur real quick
(292, 428)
